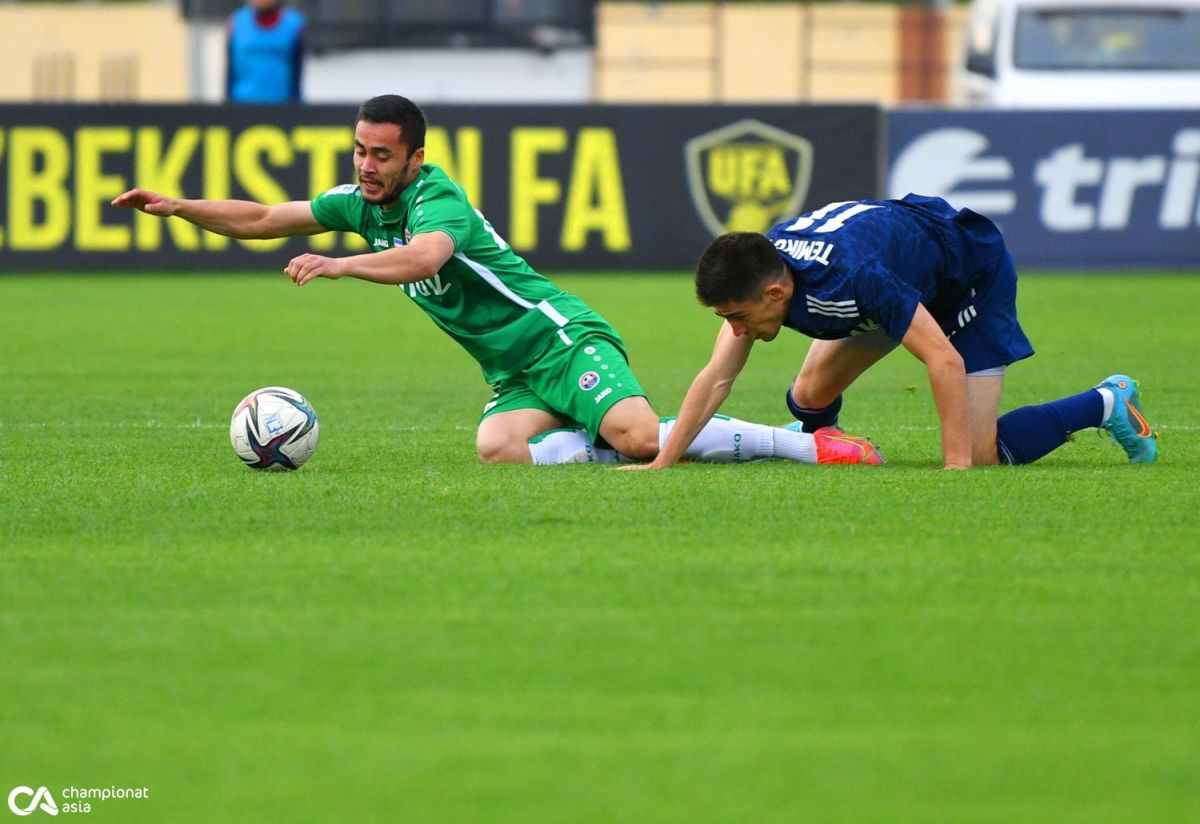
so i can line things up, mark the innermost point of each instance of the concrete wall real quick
(778, 52)
(645, 52)
(444, 76)
(93, 53)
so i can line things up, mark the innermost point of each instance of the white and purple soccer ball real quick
(274, 428)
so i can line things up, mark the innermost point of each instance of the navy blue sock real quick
(813, 419)
(1026, 434)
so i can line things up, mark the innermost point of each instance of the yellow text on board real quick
(60, 182)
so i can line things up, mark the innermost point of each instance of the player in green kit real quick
(559, 371)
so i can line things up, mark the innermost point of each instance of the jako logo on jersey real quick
(588, 381)
(40, 798)
(747, 176)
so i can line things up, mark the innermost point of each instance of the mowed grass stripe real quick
(398, 633)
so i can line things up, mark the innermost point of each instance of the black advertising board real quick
(572, 188)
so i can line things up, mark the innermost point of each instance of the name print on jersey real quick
(817, 250)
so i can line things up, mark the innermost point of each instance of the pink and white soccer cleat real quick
(836, 447)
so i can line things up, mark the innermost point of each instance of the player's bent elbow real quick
(427, 272)
(411, 273)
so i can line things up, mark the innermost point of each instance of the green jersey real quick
(486, 297)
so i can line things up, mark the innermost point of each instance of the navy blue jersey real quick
(866, 264)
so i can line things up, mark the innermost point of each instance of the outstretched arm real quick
(422, 257)
(948, 380)
(704, 397)
(234, 218)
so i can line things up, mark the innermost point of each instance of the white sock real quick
(1109, 399)
(794, 446)
(561, 446)
(729, 440)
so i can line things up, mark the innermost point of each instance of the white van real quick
(1082, 54)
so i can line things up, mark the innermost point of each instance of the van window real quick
(981, 45)
(1124, 39)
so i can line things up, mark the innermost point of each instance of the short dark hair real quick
(735, 267)
(392, 108)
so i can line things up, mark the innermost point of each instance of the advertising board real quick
(1070, 189)
(570, 187)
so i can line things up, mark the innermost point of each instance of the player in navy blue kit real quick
(862, 277)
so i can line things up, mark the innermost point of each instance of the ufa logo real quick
(40, 798)
(747, 176)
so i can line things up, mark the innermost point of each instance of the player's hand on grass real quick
(303, 268)
(652, 465)
(149, 202)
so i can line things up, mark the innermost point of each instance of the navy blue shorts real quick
(983, 327)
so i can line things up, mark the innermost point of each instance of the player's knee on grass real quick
(636, 438)
(637, 442)
(492, 449)
(985, 454)
(984, 451)
(983, 406)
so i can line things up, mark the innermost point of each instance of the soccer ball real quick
(274, 428)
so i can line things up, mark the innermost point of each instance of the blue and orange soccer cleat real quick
(836, 447)
(1127, 425)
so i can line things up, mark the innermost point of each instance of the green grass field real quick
(397, 633)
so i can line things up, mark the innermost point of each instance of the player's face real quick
(382, 162)
(761, 317)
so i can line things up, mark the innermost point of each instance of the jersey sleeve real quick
(339, 208)
(442, 207)
(885, 299)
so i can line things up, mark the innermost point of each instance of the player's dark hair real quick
(735, 267)
(392, 108)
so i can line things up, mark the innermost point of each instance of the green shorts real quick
(579, 382)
